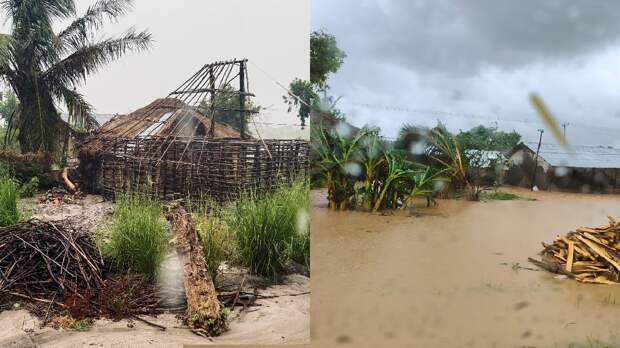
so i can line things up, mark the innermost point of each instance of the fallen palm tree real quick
(588, 254)
(204, 315)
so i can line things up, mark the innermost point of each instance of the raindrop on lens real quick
(303, 221)
(561, 171)
(344, 130)
(353, 169)
(517, 159)
(417, 148)
(439, 186)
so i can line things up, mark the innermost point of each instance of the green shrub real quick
(137, 238)
(216, 240)
(9, 214)
(30, 188)
(6, 171)
(267, 228)
(26, 187)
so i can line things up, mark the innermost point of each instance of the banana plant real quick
(396, 170)
(336, 153)
(446, 151)
(372, 159)
(424, 182)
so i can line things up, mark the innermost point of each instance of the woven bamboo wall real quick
(200, 168)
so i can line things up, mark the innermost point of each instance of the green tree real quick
(303, 97)
(325, 57)
(225, 108)
(44, 68)
(488, 138)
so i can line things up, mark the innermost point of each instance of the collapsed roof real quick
(177, 116)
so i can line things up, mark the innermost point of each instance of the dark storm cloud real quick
(462, 36)
(478, 60)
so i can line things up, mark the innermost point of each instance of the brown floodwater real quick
(451, 277)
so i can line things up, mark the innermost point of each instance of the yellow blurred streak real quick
(548, 119)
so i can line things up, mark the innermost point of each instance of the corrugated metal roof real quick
(578, 156)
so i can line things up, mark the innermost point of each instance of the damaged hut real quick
(576, 168)
(176, 147)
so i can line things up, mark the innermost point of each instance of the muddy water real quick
(444, 277)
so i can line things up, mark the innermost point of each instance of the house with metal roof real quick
(578, 168)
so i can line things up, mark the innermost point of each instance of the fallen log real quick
(204, 314)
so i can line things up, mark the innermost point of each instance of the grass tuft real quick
(498, 195)
(218, 243)
(271, 229)
(9, 195)
(29, 188)
(137, 238)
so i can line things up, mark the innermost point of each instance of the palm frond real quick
(79, 110)
(89, 59)
(80, 31)
(5, 56)
(41, 9)
(11, 126)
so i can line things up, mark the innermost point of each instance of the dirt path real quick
(446, 278)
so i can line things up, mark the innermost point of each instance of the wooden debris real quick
(42, 262)
(588, 254)
(204, 314)
(70, 186)
(571, 256)
(59, 196)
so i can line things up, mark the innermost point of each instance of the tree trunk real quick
(204, 315)
(39, 124)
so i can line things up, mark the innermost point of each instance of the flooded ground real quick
(282, 317)
(452, 276)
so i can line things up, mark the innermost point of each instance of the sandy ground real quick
(444, 277)
(283, 317)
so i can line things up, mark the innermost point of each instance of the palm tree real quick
(44, 68)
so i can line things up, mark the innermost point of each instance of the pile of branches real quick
(56, 269)
(43, 262)
(120, 296)
(588, 254)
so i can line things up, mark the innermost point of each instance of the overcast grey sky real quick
(470, 62)
(272, 34)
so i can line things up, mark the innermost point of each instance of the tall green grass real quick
(218, 242)
(9, 214)
(137, 237)
(271, 229)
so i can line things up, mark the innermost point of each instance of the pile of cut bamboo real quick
(588, 254)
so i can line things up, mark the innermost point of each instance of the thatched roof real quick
(162, 117)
